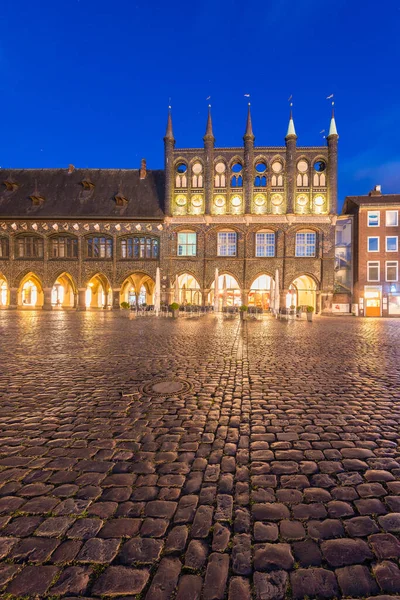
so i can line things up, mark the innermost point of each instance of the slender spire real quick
(332, 127)
(209, 130)
(291, 130)
(249, 128)
(169, 135)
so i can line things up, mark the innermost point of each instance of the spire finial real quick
(332, 127)
(291, 131)
(209, 130)
(249, 127)
(169, 134)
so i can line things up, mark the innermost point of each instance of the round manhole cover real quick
(166, 387)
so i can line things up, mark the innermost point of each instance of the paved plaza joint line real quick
(198, 458)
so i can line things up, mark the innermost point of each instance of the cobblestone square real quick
(198, 458)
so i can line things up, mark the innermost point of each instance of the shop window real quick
(392, 218)
(391, 243)
(373, 270)
(391, 270)
(187, 243)
(373, 218)
(373, 244)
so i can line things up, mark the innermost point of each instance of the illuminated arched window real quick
(181, 175)
(237, 175)
(220, 175)
(197, 175)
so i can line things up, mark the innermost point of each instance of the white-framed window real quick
(391, 243)
(373, 270)
(306, 242)
(392, 268)
(187, 243)
(227, 243)
(265, 243)
(374, 218)
(392, 218)
(373, 244)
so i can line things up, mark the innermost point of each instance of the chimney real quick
(376, 191)
(71, 168)
(143, 169)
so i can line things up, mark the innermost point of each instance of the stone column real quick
(115, 298)
(290, 177)
(81, 299)
(47, 299)
(13, 298)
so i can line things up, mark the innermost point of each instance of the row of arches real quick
(138, 290)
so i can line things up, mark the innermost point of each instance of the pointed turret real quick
(291, 131)
(209, 135)
(248, 134)
(332, 127)
(169, 144)
(332, 141)
(248, 174)
(169, 134)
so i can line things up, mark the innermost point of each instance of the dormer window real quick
(11, 185)
(87, 184)
(37, 199)
(121, 200)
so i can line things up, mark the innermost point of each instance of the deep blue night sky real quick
(87, 81)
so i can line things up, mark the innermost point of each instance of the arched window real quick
(197, 175)
(28, 246)
(140, 247)
(260, 179)
(181, 175)
(64, 246)
(306, 242)
(4, 247)
(187, 243)
(265, 243)
(319, 178)
(237, 175)
(220, 175)
(99, 247)
(227, 243)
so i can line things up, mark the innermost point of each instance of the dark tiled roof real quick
(44, 193)
(370, 200)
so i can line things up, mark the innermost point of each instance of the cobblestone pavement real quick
(268, 467)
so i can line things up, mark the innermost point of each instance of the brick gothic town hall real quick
(93, 238)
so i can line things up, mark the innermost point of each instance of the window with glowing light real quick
(139, 247)
(29, 246)
(306, 242)
(187, 243)
(64, 247)
(4, 247)
(99, 247)
(227, 241)
(265, 243)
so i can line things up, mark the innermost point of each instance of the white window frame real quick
(396, 212)
(373, 237)
(263, 249)
(306, 244)
(375, 263)
(186, 246)
(397, 243)
(227, 242)
(392, 264)
(374, 212)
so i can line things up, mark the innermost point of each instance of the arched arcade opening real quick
(98, 292)
(138, 290)
(229, 292)
(30, 292)
(302, 292)
(64, 292)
